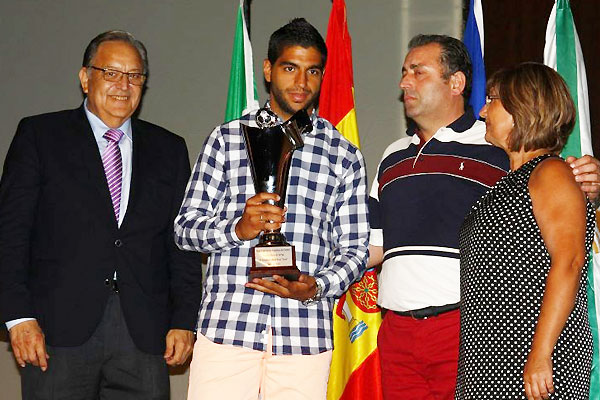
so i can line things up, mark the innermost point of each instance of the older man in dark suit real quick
(95, 294)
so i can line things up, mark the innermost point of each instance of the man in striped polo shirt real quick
(425, 185)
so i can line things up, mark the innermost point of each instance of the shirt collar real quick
(461, 124)
(99, 127)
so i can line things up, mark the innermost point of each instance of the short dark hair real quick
(298, 32)
(121, 36)
(454, 57)
(540, 103)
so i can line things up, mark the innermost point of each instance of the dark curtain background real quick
(515, 31)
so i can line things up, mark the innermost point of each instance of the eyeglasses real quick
(112, 75)
(489, 98)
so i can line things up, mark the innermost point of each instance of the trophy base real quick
(289, 273)
(270, 259)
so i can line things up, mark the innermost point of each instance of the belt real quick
(427, 312)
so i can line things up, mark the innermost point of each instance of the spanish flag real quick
(355, 369)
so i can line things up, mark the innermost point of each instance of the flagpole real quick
(247, 5)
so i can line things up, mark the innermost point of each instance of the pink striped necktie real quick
(113, 167)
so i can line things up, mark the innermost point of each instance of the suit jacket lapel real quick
(137, 169)
(85, 143)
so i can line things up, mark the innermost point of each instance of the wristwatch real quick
(316, 297)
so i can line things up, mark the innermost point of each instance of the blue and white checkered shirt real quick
(326, 221)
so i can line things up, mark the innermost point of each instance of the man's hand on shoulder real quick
(180, 343)
(302, 289)
(28, 344)
(587, 172)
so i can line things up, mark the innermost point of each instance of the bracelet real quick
(316, 297)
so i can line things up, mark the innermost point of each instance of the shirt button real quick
(107, 282)
(118, 243)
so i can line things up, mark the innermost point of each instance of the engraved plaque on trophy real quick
(270, 149)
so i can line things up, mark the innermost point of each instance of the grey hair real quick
(121, 36)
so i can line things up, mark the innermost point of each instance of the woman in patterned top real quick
(523, 252)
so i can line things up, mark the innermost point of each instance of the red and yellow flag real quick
(355, 369)
(336, 103)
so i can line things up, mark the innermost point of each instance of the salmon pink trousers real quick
(220, 371)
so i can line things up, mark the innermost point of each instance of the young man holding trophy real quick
(278, 198)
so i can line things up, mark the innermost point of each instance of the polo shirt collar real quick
(461, 124)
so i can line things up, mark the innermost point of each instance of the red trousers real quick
(419, 358)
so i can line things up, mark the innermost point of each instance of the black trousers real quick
(107, 367)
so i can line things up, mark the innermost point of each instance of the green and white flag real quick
(563, 53)
(242, 96)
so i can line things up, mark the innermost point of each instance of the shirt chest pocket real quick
(239, 187)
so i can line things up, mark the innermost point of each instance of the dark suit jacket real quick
(59, 239)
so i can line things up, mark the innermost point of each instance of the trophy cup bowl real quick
(270, 152)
